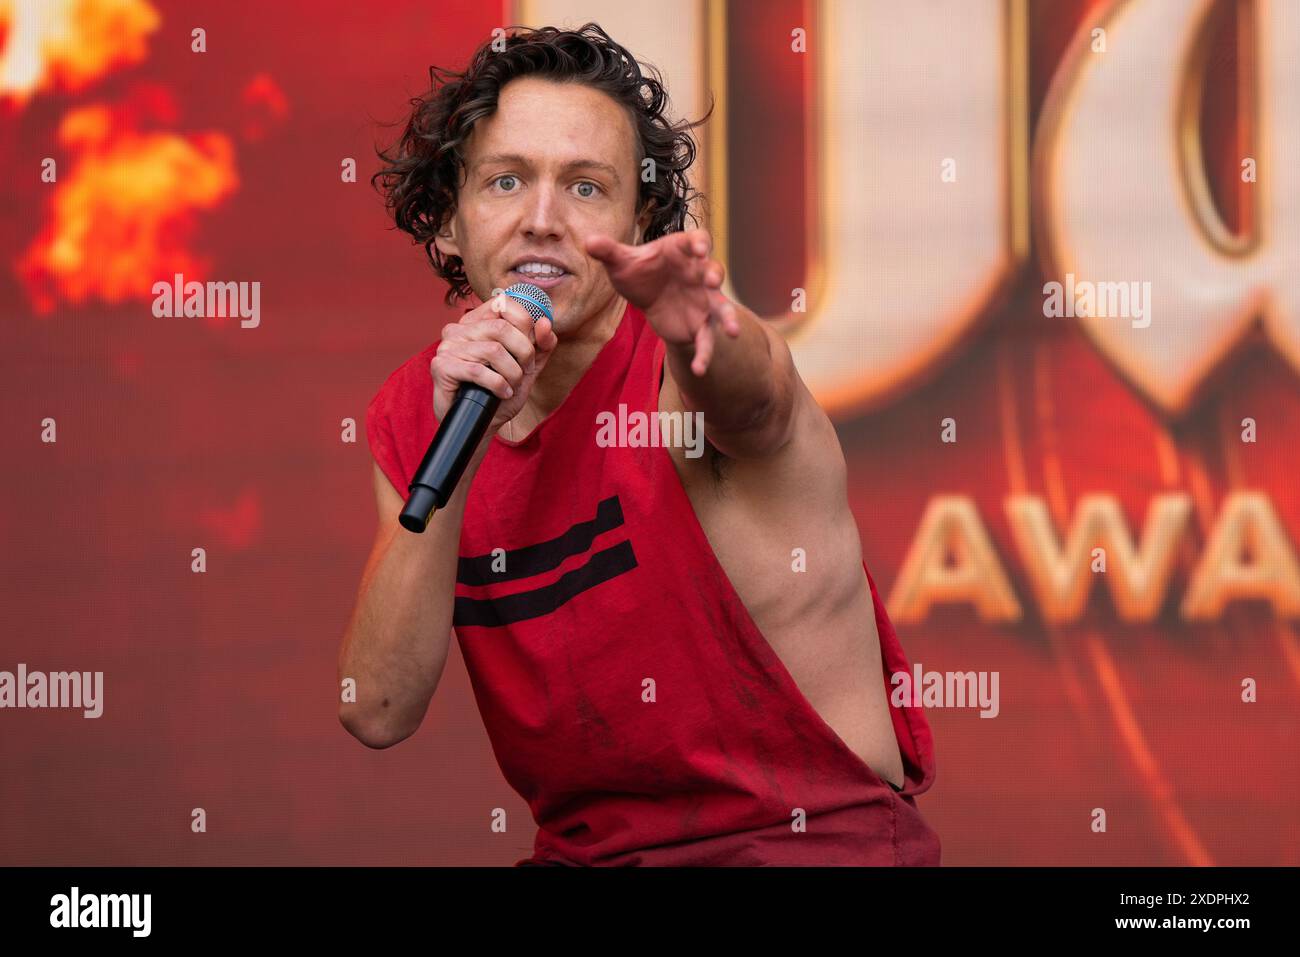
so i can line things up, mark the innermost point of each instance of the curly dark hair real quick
(422, 170)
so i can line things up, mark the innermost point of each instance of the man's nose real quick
(543, 214)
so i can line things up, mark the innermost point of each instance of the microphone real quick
(461, 431)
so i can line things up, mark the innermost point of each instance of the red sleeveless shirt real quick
(628, 695)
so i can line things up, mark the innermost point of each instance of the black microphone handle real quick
(449, 453)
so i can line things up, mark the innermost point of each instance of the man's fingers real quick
(547, 340)
(604, 248)
(513, 311)
(709, 273)
(725, 311)
(703, 349)
(714, 273)
(455, 371)
(546, 343)
(497, 358)
(684, 245)
(500, 305)
(498, 329)
(699, 242)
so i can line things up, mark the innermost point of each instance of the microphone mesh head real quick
(533, 298)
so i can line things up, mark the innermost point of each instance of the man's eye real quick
(588, 190)
(507, 183)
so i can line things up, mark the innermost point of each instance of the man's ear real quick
(642, 224)
(445, 239)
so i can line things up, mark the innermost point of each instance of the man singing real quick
(680, 658)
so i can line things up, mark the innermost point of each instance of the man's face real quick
(555, 164)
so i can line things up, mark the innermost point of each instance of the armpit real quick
(718, 463)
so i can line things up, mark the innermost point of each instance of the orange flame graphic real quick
(67, 44)
(123, 217)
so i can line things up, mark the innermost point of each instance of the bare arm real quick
(743, 382)
(749, 393)
(396, 643)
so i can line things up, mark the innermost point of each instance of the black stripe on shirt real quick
(542, 557)
(494, 612)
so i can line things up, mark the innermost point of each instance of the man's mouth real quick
(542, 273)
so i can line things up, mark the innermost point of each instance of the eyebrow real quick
(520, 160)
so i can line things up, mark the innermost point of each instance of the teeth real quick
(539, 269)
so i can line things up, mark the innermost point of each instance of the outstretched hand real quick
(675, 283)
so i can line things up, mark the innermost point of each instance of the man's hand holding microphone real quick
(483, 372)
(495, 345)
